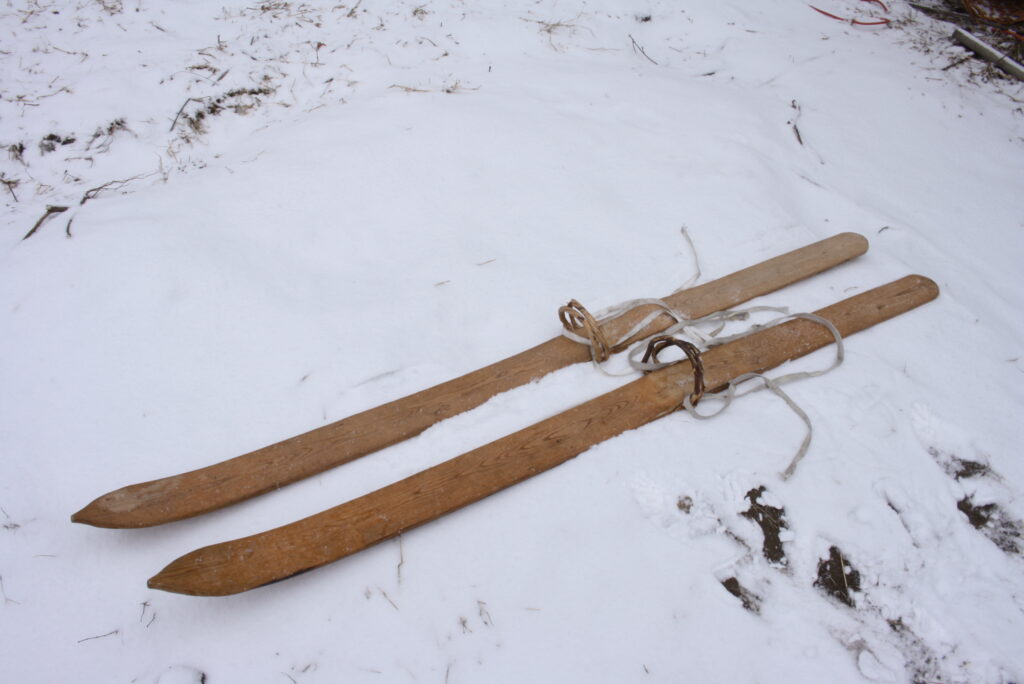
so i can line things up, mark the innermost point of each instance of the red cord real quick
(857, 22)
(1011, 33)
(827, 14)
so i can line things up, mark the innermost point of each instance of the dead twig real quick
(3, 593)
(796, 117)
(401, 559)
(388, 598)
(50, 211)
(62, 89)
(182, 109)
(457, 87)
(485, 616)
(956, 63)
(408, 89)
(550, 27)
(92, 193)
(10, 184)
(10, 525)
(100, 636)
(928, 9)
(638, 48)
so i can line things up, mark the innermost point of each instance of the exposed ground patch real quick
(771, 520)
(749, 599)
(837, 577)
(991, 519)
(995, 523)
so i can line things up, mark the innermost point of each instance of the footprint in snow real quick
(772, 521)
(980, 503)
(984, 499)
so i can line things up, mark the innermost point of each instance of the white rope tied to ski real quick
(688, 329)
(774, 384)
(575, 317)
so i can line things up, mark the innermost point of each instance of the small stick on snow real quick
(485, 616)
(385, 595)
(10, 184)
(956, 63)
(637, 48)
(401, 559)
(100, 636)
(11, 526)
(3, 593)
(92, 193)
(50, 211)
(796, 130)
(181, 109)
(408, 89)
(842, 568)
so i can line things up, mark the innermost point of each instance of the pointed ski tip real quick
(197, 573)
(139, 505)
(174, 581)
(158, 581)
(98, 514)
(93, 514)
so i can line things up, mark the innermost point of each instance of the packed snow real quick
(267, 217)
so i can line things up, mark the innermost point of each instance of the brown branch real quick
(50, 211)
(93, 192)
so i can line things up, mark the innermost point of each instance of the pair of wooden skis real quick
(243, 564)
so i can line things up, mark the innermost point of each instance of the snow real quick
(413, 199)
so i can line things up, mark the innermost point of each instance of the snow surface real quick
(396, 193)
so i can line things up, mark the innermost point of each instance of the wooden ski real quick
(243, 477)
(243, 564)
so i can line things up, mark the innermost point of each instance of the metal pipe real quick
(989, 53)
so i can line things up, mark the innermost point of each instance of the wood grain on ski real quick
(243, 477)
(260, 559)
